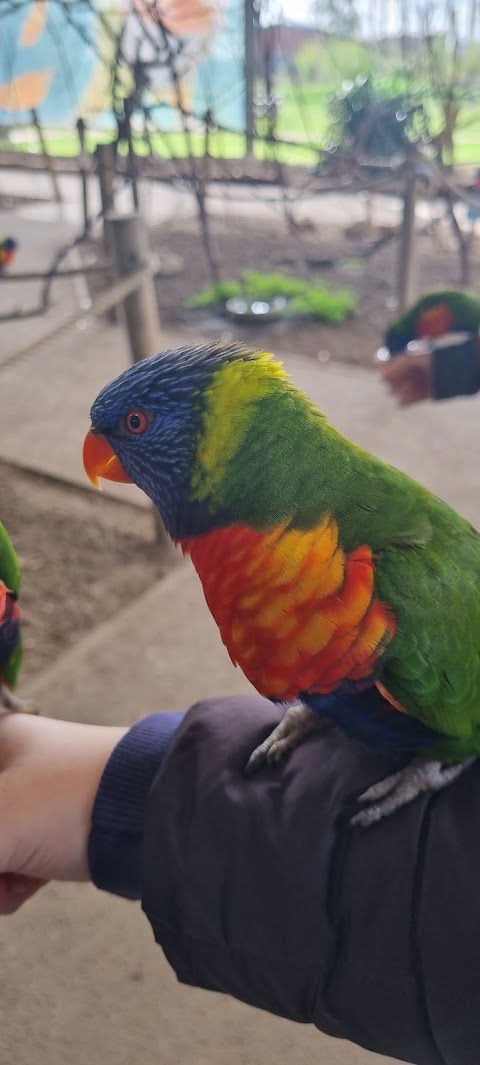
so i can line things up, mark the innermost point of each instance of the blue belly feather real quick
(368, 717)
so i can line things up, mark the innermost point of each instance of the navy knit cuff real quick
(456, 369)
(116, 835)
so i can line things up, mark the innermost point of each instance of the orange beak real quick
(100, 461)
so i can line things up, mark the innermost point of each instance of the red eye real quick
(136, 422)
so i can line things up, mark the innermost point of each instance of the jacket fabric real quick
(257, 887)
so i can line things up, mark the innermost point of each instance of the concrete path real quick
(46, 400)
(38, 242)
(162, 202)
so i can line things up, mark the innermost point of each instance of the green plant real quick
(306, 298)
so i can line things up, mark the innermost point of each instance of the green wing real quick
(432, 667)
(10, 575)
(10, 572)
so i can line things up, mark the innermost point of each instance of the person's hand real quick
(49, 775)
(409, 377)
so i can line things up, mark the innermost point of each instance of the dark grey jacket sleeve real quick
(256, 887)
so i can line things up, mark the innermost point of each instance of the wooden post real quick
(105, 158)
(130, 250)
(249, 74)
(83, 172)
(132, 162)
(48, 159)
(407, 239)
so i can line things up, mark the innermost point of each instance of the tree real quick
(323, 61)
(337, 16)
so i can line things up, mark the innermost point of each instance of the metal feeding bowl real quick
(252, 310)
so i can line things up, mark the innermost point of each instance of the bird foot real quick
(13, 702)
(401, 788)
(297, 723)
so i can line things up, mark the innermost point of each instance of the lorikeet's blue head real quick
(145, 427)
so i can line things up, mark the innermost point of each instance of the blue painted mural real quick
(54, 57)
(46, 61)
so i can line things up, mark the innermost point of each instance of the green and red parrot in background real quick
(8, 247)
(340, 586)
(10, 635)
(432, 316)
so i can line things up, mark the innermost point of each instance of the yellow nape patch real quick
(228, 401)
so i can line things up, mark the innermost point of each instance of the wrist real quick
(50, 772)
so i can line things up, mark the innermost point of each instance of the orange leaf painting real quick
(26, 91)
(34, 24)
(184, 18)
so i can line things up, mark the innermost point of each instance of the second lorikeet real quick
(433, 315)
(8, 248)
(327, 571)
(10, 637)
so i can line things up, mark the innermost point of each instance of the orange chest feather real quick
(294, 611)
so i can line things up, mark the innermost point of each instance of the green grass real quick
(306, 298)
(232, 145)
(63, 144)
(303, 111)
(303, 117)
(467, 154)
(173, 145)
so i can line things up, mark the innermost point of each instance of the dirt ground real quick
(83, 558)
(242, 244)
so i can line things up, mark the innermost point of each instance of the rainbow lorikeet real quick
(8, 248)
(10, 636)
(431, 317)
(327, 571)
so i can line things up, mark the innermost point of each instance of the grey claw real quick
(297, 722)
(13, 702)
(419, 776)
(257, 759)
